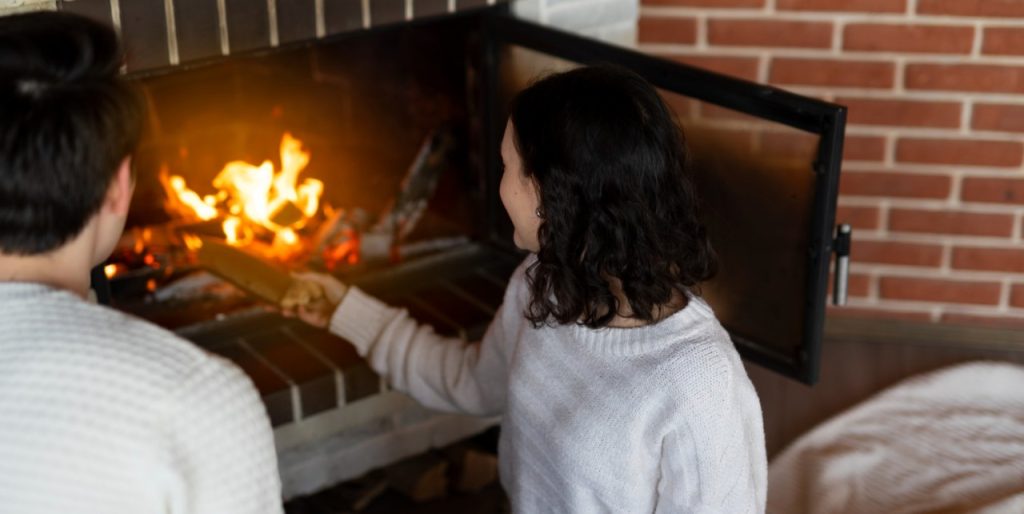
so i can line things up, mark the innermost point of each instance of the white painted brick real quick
(17, 6)
(613, 21)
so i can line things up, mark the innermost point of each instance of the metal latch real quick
(842, 248)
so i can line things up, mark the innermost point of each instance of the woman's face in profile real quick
(519, 194)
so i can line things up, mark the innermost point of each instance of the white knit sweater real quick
(659, 418)
(104, 413)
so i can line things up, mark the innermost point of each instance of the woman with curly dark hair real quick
(619, 390)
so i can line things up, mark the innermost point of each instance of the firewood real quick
(420, 478)
(286, 214)
(249, 272)
(472, 469)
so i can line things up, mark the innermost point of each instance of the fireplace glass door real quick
(766, 165)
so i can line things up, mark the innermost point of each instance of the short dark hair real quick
(67, 120)
(611, 164)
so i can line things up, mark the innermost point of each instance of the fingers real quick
(302, 292)
(332, 288)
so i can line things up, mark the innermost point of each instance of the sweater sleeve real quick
(714, 462)
(441, 373)
(222, 445)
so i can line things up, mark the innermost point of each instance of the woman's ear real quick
(119, 194)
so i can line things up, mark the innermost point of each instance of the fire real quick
(251, 198)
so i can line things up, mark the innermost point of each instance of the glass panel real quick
(756, 184)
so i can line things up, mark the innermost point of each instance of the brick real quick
(885, 37)
(901, 113)
(992, 190)
(1003, 41)
(951, 222)
(824, 72)
(895, 184)
(888, 252)
(989, 259)
(1017, 296)
(971, 7)
(864, 218)
(704, 3)
(878, 313)
(983, 78)
(858, 285)
(842, 5)
(681, 31)
(770, 33)
(742, 67)
(939, 290)
(979, 320)
(864, 148)
(998, 117)
(959, 151)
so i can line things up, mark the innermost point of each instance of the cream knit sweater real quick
(103, 413)
(660, 418)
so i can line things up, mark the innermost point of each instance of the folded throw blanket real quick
(949, 441)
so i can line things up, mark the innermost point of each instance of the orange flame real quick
(249, 197)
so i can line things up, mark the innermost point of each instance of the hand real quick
(313, 298)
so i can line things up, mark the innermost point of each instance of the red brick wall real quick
(933, 175)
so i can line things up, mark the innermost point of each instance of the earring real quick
(538, 213)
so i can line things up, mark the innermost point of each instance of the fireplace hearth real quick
(401, 124)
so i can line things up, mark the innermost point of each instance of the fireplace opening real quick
(373, 156)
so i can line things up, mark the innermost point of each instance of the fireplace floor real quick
(301, 371)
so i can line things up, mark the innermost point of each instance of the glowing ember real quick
(110, 270)
(252, 198)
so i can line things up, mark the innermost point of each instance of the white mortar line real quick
(1018, 220)
(172, 33)
(366, 13)
(890, 147)
(451, 5)
(115, 15)
(883, 218)
(408, 10)
(321, 20)
(881, 18)
(838, 31)
(976, 44)
(272, 23)
(702, 32)
(222, 22)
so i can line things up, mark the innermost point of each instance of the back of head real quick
(67, 120)
(610, 162)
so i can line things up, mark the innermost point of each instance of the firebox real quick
(373, 155)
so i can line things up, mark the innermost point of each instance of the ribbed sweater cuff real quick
(360, 318)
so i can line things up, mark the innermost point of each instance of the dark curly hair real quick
(610, 162)
(67, 119)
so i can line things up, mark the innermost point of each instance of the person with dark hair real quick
(619, 390)
(99, 412)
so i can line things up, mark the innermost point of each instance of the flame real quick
(192, 242)
(191, 199)
(252, 197)
(110, 270)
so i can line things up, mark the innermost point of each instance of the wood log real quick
(249, 272)
(472, 469)
(420, 478)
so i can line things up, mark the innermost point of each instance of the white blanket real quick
(946, 442)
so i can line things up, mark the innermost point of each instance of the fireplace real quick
(399, 125)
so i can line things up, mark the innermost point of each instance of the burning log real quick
(249, 272)
(418, 186)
